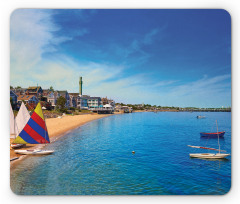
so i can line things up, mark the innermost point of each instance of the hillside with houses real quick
(52, 99)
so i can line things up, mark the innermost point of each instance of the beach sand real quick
(57, 127)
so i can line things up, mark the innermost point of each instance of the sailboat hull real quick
(212, 135)
(209, 156)
(15, 146)
(34, 152)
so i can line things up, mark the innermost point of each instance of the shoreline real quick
(57, 128)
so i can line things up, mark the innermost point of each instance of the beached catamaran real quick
(34, 132)
(218, 155)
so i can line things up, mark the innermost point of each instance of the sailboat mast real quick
(45, 124)
(218, 137)
(14, 126)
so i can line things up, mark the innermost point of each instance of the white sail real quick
(13, 127)
(22, 118)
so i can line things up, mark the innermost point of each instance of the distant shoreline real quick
(207, 111)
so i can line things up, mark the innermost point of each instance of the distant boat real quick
(218, 155)
(212, 134)
(34, 132)
(200, 117)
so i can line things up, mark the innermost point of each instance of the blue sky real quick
(160, 57)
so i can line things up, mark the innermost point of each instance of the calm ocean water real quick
(97, 159)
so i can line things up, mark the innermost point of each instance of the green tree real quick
(61, 101)
(51, 88)
(11, 87)
(18, 87)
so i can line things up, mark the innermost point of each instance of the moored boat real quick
(15, 146)
(200, 116)
(212, 134)
(209, 155)
(34, 152)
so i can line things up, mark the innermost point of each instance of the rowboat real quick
(212, 134)
(34, 152)
(15, 146)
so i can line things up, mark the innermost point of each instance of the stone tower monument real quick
(80, 86)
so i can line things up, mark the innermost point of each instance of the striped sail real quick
(35, 131)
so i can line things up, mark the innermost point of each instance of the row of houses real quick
(34, 94)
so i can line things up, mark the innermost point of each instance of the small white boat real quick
(34, 152)
(200, 116)
(15, 146)
(209, 155)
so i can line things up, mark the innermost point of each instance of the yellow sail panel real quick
(38, 110)
(19, 140)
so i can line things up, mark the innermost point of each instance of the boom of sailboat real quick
(206, 148)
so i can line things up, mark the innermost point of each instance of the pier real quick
(102, 110)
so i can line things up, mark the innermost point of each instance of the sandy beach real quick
(57, 127)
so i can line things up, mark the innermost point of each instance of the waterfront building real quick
(45, 94)
(66, 96)
(93, 102)
(105, 101)
(127, 109)
(30, 99)
(82, 102)
(14, 97)
(19, 91)
(73, 99)
(52, 98)
(118, 108)
(108, 107)
(34, 90)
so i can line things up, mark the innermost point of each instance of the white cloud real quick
(31, 35)
(164, 83)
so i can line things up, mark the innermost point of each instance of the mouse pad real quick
(120, 102)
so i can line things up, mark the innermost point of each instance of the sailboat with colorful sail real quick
(13, 129)
(218, 155)
(18, 123)
(34, 132)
